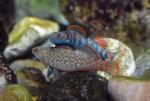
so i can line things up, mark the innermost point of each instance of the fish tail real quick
(110, 67)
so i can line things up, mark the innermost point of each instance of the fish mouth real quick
(37, 52)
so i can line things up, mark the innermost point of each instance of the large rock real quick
(76, 87)
(48, 73)
(123, 54)
(33, 79)
(129, 89)
(26, 63)
(30, 74)
(27, 33)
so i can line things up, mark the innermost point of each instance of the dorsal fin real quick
(77, 28)
(90, 51)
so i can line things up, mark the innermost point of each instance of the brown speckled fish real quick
(73, 60)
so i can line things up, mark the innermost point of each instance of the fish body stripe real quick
(75, 40)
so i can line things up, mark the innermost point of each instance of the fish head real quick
(41, 53)
(59, 38)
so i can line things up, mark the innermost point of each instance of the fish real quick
(74, 39)
(96, 37)
(69, 60)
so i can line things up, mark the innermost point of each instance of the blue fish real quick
(74, 39)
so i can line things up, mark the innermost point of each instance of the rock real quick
(124, 88)
(48, 73)
(26, 63)
(15, 93)
(31, 78)
(30, 74)
(76, 87)
(123, 55)
(27, 33)
(146, 3)
(143, 65)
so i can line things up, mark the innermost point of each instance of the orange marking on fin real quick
(101, 42)
(78, 28)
